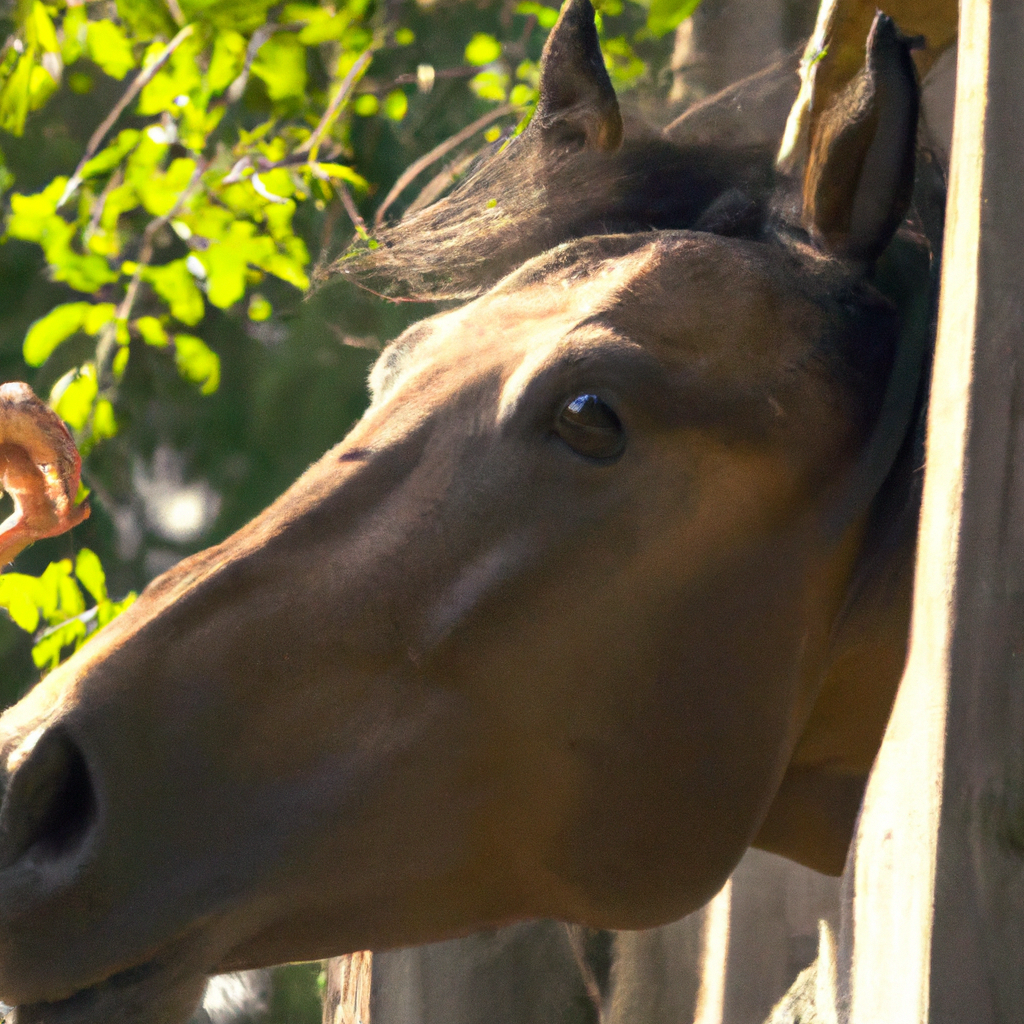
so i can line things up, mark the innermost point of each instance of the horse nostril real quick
(49, 804)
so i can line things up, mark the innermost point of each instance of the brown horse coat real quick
(603, 588)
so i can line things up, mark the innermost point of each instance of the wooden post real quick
(938, 909)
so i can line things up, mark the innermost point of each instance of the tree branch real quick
(140, 80)
(312, 144)
(407, 176)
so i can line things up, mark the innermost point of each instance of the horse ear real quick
(860, 164)
(577, 103)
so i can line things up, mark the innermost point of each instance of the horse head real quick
(549, 632)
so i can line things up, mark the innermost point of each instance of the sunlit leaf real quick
(74, 394)
(19, 595)
(119, 363)
(665, 15)
(90, 574)
(226, 61)
(104, 423)
(75, 36)
(259, 307)
(625, 68)
(47, 653)
(161, 190)
(240, 15)
(144, 18)
(546, 16)
(482, 49)
(107, 159)
(346, 174)
(109, 48)
(175, 285)
(396, 104)
(281, 63)
(366, 105)
(49, 331)
(197, 362)
(152, 331)
(490, 85)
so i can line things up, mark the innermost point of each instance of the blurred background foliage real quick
(171, 174)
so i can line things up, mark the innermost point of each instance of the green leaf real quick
(119, 363)
(20, 595)
(98, 316)
(108, 47)
(39, 30)
(143, 18)
(405, 37)
(59, 596)
(490, 85)
(226, 61)
(74, 34)
(175, 285)
(241, 15)
(482, 49)
(47, 653)
(15, 95)
(343, 173)
(546, 16)
(152, 331)
(625, 68)
(396, 104)
(325, 31)
(161, 190)
(197, 362)
(259, 307)
(91, 575)
(523, 95)
(366, 105)
(107, 159)
(281, 63)
(104, 424)
(666, 15)
(179, 77)
(49, 331)
(74, 395)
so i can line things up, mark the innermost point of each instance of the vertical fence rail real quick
(938, 908)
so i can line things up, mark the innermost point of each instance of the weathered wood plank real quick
(978, 932)
(938, 911)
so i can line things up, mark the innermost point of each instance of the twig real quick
(176, 12)
(312, 144)
(410, 79)
(350, 208)
(112, 182)
(133, 90)
(411, 172)
(327, 231)
(107, 343)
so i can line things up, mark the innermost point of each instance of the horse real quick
(610, 583)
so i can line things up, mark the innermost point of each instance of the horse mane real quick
(524, 200)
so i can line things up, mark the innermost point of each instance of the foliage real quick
(227, 141)
(56, 601)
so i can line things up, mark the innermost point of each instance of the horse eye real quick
(588, 425)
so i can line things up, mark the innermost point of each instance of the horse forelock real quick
(525, 200)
